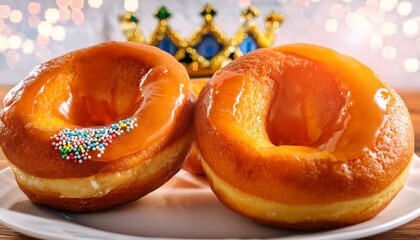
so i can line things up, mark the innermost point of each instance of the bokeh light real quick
(95, 3)
(15, 16)
(58, 33)
(359, 24)
(28, 46)
(34, 8)
(42, 41)
(131, 5)
(34, 21)
(14, 42)
(389, 52)
(63, 3)
(411, 28)
(331, 25)
(387, 5)
(389, 29)
(52, 15)
(4, 11)
(411, 65)
(404, 8)
(77, 4)
(64, 14)
(77, 17)
(45, 28)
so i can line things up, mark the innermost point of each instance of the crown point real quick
(274, 19)
(129, 17)
(162, 13)
(208, 12)
(251, 12)
(134, 19)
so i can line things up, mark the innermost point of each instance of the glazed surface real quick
(300, 124)
(93, 88)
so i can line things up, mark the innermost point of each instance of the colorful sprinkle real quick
(76, 145)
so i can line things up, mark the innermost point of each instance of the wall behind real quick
(383, 34)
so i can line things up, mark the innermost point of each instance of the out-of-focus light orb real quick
(389, 52)
(331, 25)
(387, 5)
(64, 14)
(315, 0)
(404, 8)
(2, 25)
(4, 11)
(131, 5)
(337, 11)
(58, 33)
(347, 1)
(389, 29)
(77, 17)
(34, 8)
(4, 43)
(77, 4)
(411, 28)
(28, 46)
(12, 57)
(34, 21)
(411, 65)
(6, 31)
(52, 15)
(45, 28)
(15, 16)
(359, 24)
(375, 42)
(63, 3)
(95, 3)
(42, 41)
(14, 42)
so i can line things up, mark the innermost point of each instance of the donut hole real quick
(307, 103)
(101, 91)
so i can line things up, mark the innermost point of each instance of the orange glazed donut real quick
(302, 137)
(98, 127)
(192, 163)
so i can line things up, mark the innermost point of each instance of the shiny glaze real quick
(311, 106)
(98, 86)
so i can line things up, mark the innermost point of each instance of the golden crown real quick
(208, 48)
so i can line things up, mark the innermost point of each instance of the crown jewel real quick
(208, 48)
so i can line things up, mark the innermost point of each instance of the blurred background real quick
(383, 34)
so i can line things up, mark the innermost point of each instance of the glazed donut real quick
(98, 127)
(192, 163)
(300, 136)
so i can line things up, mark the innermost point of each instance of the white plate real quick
(185, 207)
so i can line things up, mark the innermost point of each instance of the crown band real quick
(209, 48)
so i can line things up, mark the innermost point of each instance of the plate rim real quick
(6, 214)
